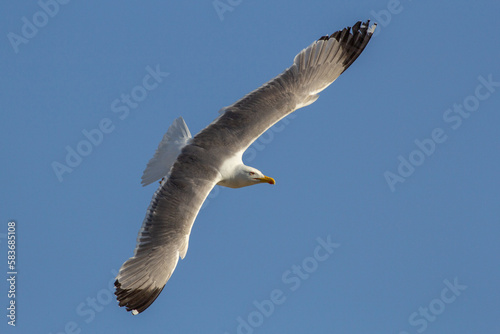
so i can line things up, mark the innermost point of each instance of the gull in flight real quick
(189, 167)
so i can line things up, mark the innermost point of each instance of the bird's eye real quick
(251, 173)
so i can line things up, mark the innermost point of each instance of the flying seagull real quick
(191, 167)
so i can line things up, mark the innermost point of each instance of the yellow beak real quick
(266, 179)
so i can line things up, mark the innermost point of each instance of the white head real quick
(243, 176)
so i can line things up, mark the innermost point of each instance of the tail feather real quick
(168, 150)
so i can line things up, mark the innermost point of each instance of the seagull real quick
(189, 167)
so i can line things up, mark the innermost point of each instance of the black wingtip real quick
(354, 39)
(138, 300)
(359, 27)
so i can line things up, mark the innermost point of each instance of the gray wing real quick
(164, 234)
(313, 69)
(165, 231)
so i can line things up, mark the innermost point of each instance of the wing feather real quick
(164, 235)
(165, 231)
(313, 69)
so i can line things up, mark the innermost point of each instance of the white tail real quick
(168, 150)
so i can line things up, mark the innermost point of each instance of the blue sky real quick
(395, 167)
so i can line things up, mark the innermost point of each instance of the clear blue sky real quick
(396, 164)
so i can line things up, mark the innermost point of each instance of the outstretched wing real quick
(313, 69)
(164, 235)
